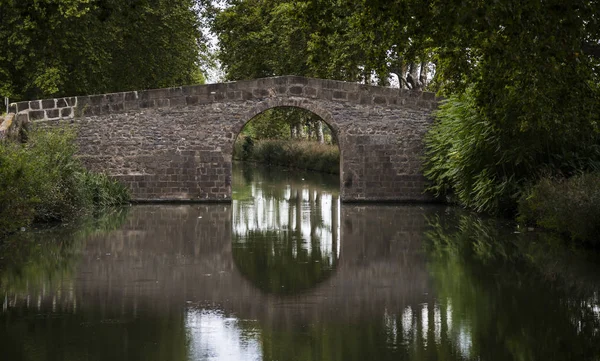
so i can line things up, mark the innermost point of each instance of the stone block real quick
(117, 107)
(66, 112)
(175, 92)
(177, 102)
(37, 115)
(52, 113)
(131, 105)
(130, 96)
(35, 105)
(296, 90)
(350, 87)
(146, 103)
(310, 92)
(191, 100)
(97, 99)
(210, 88)
(326, 94)
(115, 98)
(247, 95)
(156, 93)
(265, 83)
(365, 99)
(379, 100)
(260, 93)
(283, 80)
(48, 103)
(162, 103)
(22, 106)
(340, 95)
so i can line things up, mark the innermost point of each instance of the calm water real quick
(286, 272)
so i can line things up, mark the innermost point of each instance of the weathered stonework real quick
(177, 143)
(11, 127)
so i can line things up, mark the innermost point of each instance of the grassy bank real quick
(299, 154)
(43, 181)
(568, 206)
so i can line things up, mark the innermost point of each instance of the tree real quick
(527, 90)
(70, 47)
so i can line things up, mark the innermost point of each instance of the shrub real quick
(485, 161)
(568, 206)
(44, 181)
(462, 158)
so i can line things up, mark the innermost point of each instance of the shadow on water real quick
(360, 282)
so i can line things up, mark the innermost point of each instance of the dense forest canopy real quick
(70, 47)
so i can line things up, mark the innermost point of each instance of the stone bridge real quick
(176, 144)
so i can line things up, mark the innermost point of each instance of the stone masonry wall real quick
(177, 143)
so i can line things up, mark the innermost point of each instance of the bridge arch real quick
(273, 103)
(269, 104)
(176, 144)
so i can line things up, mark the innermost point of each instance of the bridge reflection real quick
(167, 284)
(285, 231)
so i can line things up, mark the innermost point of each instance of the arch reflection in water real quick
(285, 228)
(213, 336)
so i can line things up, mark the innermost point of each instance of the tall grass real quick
(43, 181)
(487, 164)
(567, 206)
(298, 154)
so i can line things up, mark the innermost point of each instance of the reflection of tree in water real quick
(45, 259)
(285, 230)
(521, 296)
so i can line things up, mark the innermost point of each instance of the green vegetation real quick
(568, 206)
(43, 181)
(46, 258)
(488, 274)
(53, 48)
(486, 167)
(289, 137)
(289, 123)
(291, 154)
(524, 106)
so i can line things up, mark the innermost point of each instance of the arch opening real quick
(289, 136)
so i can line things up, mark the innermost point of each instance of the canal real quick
(287, 272)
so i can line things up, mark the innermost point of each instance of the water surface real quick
(287, 272)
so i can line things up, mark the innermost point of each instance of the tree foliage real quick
(532, 95)
(70, 47)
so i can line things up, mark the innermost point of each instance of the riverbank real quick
(43, 181)
(570, 207)
(298, 154)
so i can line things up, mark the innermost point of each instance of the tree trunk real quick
(413, 76)
(320, 132)
(423, 76)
